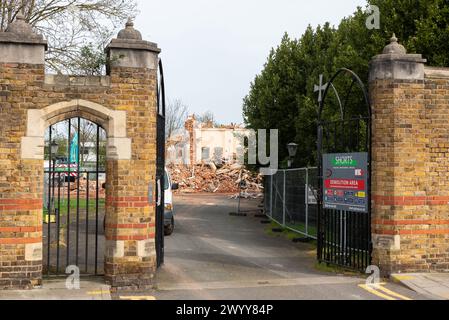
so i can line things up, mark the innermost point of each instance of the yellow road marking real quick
(97, 293)
(392, 293)
(403, 278)
(371, 290)
(136, 298)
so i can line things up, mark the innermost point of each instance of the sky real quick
(213, 49)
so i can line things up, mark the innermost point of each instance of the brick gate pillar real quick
(130, 218)
(400, 157)
(21, 76)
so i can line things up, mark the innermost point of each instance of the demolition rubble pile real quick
(212, 179)
(92, 187)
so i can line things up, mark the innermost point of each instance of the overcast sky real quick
(213, 49)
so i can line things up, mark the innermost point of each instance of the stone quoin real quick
(124, 103)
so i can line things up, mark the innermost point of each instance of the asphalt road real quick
(213, 255)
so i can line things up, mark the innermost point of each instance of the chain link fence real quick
(291, 200)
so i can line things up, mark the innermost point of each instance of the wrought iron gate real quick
(344, 236)
(160, 166)
(74, 196)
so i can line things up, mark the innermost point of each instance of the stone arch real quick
(114, 123)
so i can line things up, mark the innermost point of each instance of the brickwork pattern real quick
(130, 218)
(410, 174)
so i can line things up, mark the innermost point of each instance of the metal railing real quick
(291, 200)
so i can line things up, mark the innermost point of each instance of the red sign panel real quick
(345, 184)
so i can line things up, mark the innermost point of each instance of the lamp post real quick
(54, 147)
(292, 150)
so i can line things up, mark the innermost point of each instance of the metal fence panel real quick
(290, 200)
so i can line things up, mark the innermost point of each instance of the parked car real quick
(169, 213)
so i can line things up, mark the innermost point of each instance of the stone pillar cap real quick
(396, 51)
(394, 47)
(130, 38)
(20, 31)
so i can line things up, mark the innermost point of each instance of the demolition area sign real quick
(345, 182)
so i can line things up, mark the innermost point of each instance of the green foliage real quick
(92, 60)
(282, 96)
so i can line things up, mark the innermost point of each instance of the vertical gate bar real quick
(337, 235)
(96, 199)
(335, 136)
(359, 252)
(271, 197)
(356, 251)
(69, 177)
(370, 150)
(326, 237)
(348, 241)
(347, 127)
(363, 242)
(78, 193)
(350, 138)
(87, 221)
(362, 249)
(53, 192)
(58, 228)
(331, 233)
(321, 237)
(345, 237)
(334, 239)
(307, 202)
(367, 230)
(53, 196)
(352, 233)
(358, 134)
(342, 237)
(329, 238)
(49, 202)
(284, 202)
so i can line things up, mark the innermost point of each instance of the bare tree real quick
(176, 115)
(208, 119)
(75, 29)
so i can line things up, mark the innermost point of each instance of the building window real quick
(218, 155)
(205, 154)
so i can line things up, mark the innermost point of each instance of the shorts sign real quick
(345, 182)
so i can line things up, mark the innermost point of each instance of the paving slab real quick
(90, 289)
(433, 285)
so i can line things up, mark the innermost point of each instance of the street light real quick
(292, 150)
(54, 148)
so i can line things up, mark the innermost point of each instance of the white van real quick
(169, 213)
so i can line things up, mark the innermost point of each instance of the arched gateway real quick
(124, 103)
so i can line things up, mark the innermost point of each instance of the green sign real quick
(344, 161)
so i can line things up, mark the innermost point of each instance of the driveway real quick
(213, 255)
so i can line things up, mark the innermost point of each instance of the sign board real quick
(311, 195)
(345, 182)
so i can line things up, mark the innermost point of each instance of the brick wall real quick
(130, 218)
(21, 182)
(410, 173)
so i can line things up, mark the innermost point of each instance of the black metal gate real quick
(344, 237)
(74, 198)
(160, 166)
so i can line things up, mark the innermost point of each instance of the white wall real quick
(227, 139)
